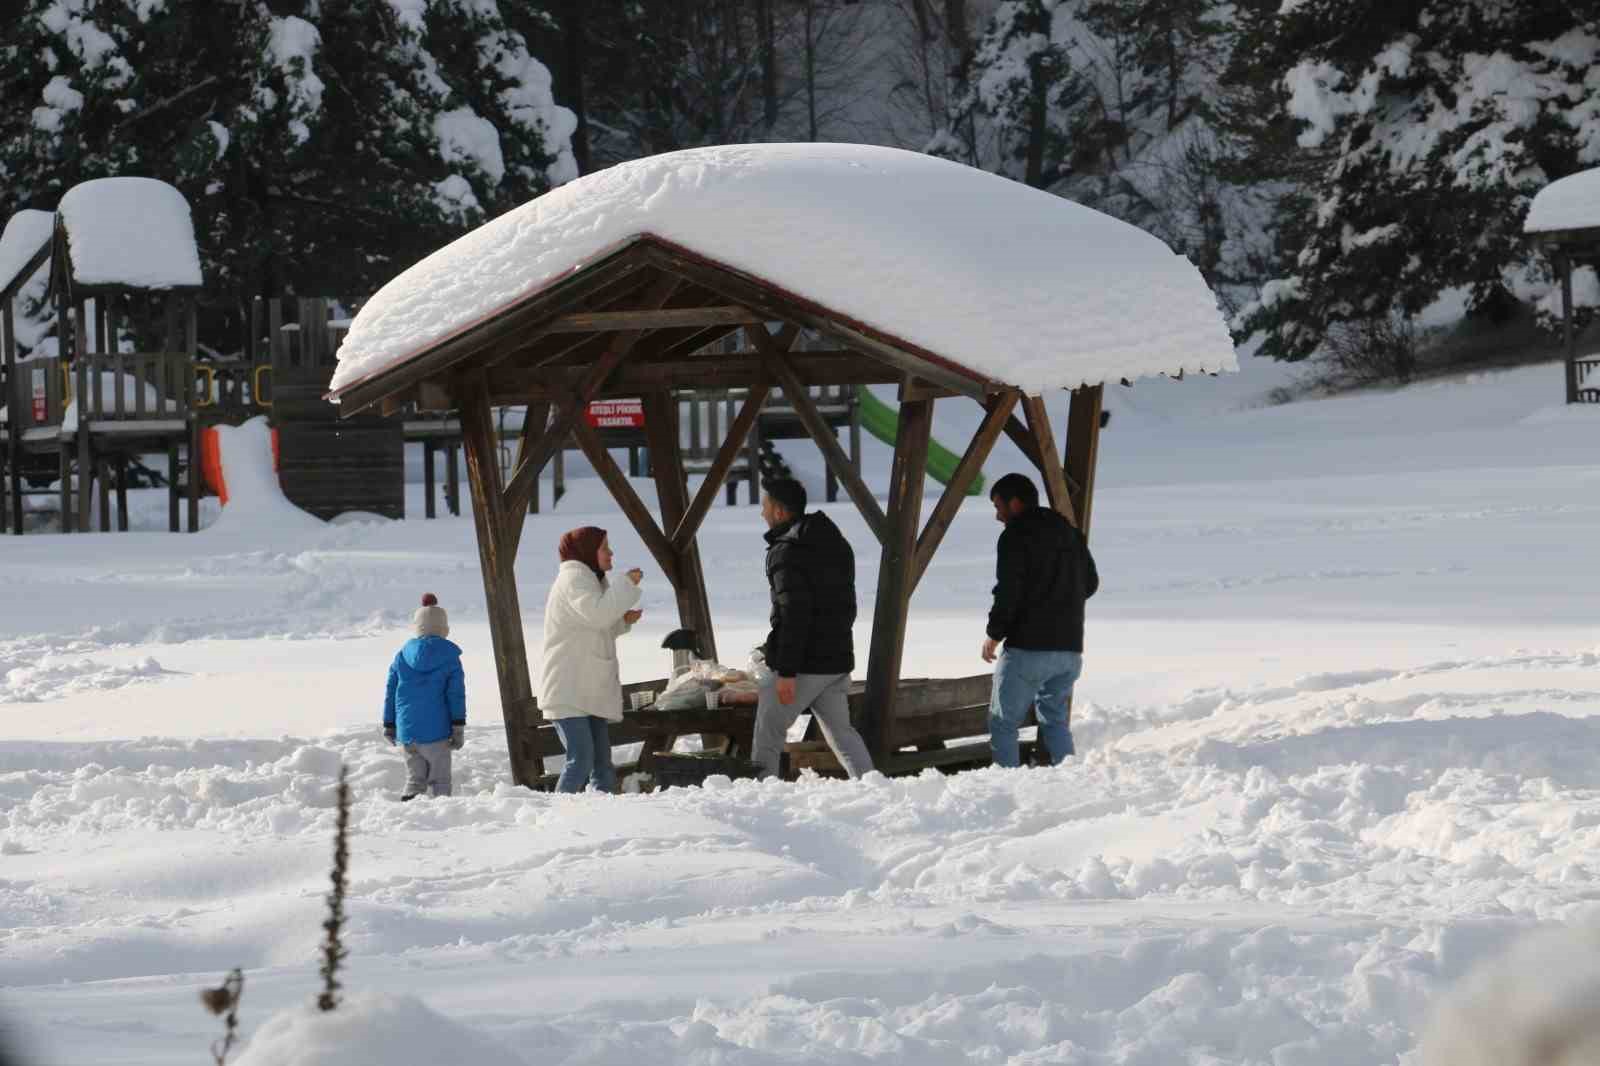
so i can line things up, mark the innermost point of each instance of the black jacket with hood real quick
(1042, 576)
(812, 573)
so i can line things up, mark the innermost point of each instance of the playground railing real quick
(129, 387)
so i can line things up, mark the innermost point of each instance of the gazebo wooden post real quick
(898, 561)
(672, 490)
(497, 560)
(1568, 335)
(1083, 450)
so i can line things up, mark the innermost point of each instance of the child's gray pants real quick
(428, 768)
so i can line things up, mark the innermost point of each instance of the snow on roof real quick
(130, 231)
(1572, 202)
(24, 235)
(1014, 283)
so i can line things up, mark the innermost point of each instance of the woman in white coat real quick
(580, 689)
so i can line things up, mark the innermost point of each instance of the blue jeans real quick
(587, 741)
(1039, 679)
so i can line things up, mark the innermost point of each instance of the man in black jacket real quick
(1043, 574)
(810, 651)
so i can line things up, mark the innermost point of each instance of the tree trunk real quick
(811, 70)
(769, 62)
(576, 57)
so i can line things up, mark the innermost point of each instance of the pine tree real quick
(323, 145)
(1433, 123)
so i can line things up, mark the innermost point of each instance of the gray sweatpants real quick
(428, 768)
(826, 696)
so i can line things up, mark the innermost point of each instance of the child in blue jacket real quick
(425, 706)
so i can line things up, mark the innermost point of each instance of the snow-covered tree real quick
(1116, 104)
(323, 144)
(1433, 122)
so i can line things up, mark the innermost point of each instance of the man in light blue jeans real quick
(1043, 575)
(1043, 680)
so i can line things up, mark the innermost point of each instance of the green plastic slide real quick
(883, 422)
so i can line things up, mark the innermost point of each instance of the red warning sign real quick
(616, 414)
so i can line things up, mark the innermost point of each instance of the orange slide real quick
(211, 462)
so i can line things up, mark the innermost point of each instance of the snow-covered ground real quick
(1340, 736)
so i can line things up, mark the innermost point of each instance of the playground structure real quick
(630, 313)
(87, 411)
(1564, 220)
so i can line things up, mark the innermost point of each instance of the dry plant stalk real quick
(224, 1000)
(333, 952)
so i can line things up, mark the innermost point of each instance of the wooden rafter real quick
(997, 411)
(735, 370)
(689, 526)
(1050, 468)
(520, 489)
(800, 399)
(665, 318)
(772, 306)
(498, 336)
(638, 514)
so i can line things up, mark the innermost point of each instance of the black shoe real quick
(409, 796)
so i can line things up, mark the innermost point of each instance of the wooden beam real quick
(672, 491)
(521, 487)
(511, 325)
(735, 370)
(906, 480)
(779, 307)
(665, 318)
(916, 389)
(638, 514)
(726, 455)
(998, 410)
(1083, 450)
(498, 566)
(795, 390)
(1050, 468)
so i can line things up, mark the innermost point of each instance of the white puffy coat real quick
(582, 621)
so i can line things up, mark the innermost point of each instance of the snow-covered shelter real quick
(943, 280)
(120, 251)
(1564, 219)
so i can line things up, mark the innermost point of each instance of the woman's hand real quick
(635, 575)
(632, 617)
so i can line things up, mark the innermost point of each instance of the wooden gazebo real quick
(635, 319)
(1564, 220)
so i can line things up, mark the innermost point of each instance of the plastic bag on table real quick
(688, 690)
(757, 667)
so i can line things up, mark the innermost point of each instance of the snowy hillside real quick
(1338, 730)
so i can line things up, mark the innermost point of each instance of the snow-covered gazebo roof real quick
(1566, 208)
(25, 239)
(970, 276)
(128, 233)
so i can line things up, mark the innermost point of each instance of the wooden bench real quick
(929, 710)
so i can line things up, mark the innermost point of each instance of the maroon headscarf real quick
(583, 545)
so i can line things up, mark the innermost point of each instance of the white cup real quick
(712, 699)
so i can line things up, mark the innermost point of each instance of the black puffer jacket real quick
(812, 572)
(1043, 575)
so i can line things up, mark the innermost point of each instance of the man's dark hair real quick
(1016, 487)
(788, 493)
